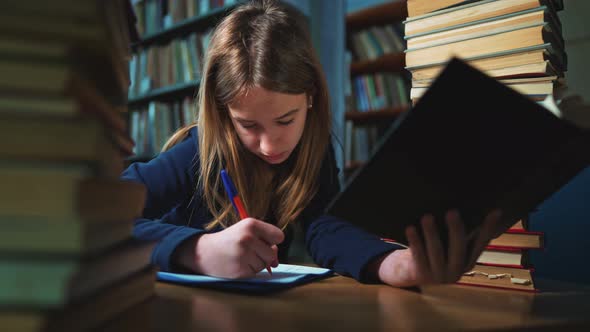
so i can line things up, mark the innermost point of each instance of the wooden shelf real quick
(194, 24)
(352, 166)
(386, 13)
(392, 62)
(168, 93)
(369, 117)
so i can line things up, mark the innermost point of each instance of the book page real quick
(282, 274)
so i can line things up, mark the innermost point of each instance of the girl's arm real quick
(169, 180)
(335, 243)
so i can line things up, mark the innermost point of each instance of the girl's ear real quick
(309, 102)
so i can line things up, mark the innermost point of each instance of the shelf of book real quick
(185, 27)
(377, 92)
(392, 62)
(169, 58)
(167, 93)
(370, 117)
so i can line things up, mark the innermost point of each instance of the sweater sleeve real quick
(169, 180)
(335, 243)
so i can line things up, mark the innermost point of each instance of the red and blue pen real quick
(235, 199)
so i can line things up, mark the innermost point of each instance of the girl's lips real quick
(274, 157)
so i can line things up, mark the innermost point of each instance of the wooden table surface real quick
(341, 303)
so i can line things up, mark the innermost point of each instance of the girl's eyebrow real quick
(291, 112)
(237, 118)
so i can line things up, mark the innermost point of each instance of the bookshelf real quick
(393, 62)
(166, 68)
(374, 53)
(166, 93)
(184, 27)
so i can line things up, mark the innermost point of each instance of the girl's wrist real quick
(372, 269)
(397, 269)
(185, 254)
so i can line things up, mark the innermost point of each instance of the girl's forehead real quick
(258, 99)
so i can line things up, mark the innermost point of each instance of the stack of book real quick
(505, 261)
(67, 258)
(519, 42)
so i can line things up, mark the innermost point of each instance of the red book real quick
(521, 239)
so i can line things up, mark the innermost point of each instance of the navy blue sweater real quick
(175, 211)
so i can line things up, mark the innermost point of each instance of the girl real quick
(264, 117)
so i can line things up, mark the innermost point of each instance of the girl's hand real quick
(239, 251)
(425, 263)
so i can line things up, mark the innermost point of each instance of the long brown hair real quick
(260, 44)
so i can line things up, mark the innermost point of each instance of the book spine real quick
(500, 248)
(522, 231)
(513, 266)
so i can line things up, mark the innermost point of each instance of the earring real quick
(310, 105)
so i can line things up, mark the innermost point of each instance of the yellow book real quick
(466, 14)
(420, 7)
(502, 42)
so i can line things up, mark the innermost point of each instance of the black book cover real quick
(470, 143)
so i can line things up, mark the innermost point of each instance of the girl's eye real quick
(285, 123)
(250, 126)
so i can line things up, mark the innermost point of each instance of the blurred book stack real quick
(505, 262)
(67, 259)
(519, 42)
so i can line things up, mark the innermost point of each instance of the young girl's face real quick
(269, 124)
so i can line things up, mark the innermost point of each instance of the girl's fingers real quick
(275, 261)
(423, 272)
(434, 249)
(255, 263)
(457, 246)
(485, 234)
(266, 232)
(264, 251)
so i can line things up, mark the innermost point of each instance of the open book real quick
(470, 143)
(283, 277)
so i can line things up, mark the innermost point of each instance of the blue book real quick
(283, 277)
